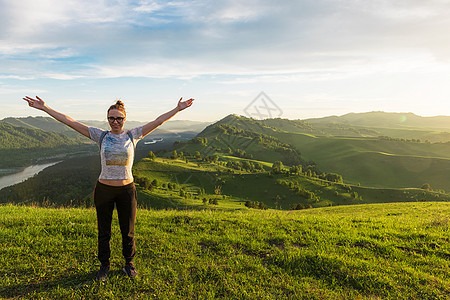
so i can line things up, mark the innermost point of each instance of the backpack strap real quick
(131, 138)
(104, 133)
(102, 136)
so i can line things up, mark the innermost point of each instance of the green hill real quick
(378, 162)
(360, 157)
(43, 123)
(16, 137)
(234, 186)
(379, 251)
(21, 146)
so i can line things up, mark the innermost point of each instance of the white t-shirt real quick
(116, 152)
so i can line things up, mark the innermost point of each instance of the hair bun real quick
(120, 103)
(119, 106)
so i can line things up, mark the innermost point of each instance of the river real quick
(28, 172)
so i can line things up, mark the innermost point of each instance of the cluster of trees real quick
(199, 140)
(333, 177)
(150, 185)
(213, 201)
(211, 158)
(175, 155)
(300, 191)
(255, 204)
(145, 183)
(307, 194)
(239, 153)
(290, 154)
(300, 206)
(278, 168)
(245, 165)
(388, 138)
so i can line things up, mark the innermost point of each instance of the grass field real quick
(377, 251)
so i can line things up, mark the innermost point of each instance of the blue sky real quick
(311, 58)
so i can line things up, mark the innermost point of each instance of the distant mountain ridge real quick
(374, 119)
(387, 119)
(50, 124)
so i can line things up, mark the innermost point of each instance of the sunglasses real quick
(117, 119)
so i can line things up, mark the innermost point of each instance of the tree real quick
(426, 186)
(200, 140)
(333, 177)
(214, 158)
(151, 155)
(174, 155)
(295, 169)
(277, 167)
(145, 183)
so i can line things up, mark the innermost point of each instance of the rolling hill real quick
(365, 159)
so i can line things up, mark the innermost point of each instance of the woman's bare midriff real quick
(116, 182)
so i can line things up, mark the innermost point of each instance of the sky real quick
(260, 58)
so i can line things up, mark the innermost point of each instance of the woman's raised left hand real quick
(184, 104)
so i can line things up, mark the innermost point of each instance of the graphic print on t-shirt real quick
(116, 154)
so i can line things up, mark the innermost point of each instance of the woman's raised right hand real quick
(37, 103)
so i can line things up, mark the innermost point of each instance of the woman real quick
(115, 184)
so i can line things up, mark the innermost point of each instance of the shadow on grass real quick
(75, 282)
(335, 272)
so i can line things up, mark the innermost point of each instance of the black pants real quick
(124, 198)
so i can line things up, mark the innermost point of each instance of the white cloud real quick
(278, 40)
(148, 7)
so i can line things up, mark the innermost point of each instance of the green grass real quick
(387, 251)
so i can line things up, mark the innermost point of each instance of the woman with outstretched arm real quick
(115, 185)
